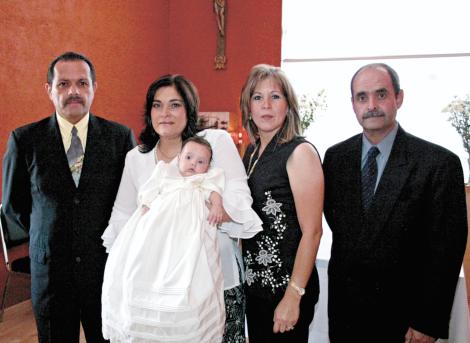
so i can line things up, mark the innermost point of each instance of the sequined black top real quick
(269, 256)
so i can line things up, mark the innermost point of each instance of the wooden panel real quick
(18, 325)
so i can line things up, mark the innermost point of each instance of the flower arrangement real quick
(309, 105)
(459, 117)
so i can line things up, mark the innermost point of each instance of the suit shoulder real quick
(428, 149)
(343, 147)
(112, 125)
(32, 126)
(33, 129)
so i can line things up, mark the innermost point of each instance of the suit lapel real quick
(391, 183)
(92, 152)
(351, 188)
(354, 173)
(54, 146)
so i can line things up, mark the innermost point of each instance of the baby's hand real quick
(145, 209)
(215, 215)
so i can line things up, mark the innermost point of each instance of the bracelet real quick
(300, 290)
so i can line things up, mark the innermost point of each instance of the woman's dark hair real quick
(187, 91)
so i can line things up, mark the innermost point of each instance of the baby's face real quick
(194, 159)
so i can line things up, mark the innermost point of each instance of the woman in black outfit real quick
(286, 181)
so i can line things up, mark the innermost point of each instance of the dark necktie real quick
(369, 177)
(75, 156)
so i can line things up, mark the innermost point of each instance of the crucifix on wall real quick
(220, 11)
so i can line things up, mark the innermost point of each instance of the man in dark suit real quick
(60, 177)
(396, 206)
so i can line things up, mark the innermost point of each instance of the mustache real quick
(372, 114)
(74, 98)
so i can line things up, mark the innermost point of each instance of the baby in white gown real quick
(163, 280)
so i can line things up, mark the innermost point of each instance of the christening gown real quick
(163, 280)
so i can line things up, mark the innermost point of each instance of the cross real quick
(220, 11)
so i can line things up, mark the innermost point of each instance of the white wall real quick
(325, 42)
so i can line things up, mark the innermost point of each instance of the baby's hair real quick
(198, 140)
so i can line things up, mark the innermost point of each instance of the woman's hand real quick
(287, 311)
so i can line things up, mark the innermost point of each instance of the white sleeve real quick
(151, 188)
(126, 199)
(214, 181)
(236, 195)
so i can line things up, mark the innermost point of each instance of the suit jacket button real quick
(76, 201)
(78, 259)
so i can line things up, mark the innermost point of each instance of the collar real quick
(385, 145)
(66, 126)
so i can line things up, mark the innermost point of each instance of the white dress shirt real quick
(65, 128)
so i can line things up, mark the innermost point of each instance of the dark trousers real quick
(58, 310)
(62, 323)
(372, 336)
(361, 328)
(260, 314)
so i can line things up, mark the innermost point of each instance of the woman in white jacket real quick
(171, 108)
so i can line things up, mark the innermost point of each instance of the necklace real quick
(156, 155)
(165, 158)
(251, 167)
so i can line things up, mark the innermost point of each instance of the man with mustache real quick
(60, 178)
(396, 207)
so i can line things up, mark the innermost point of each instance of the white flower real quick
(272, 207)
(250, 276)
(264, 258)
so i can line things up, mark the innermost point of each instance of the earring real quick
(249, 117)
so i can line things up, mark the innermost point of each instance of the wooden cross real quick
(220, 13)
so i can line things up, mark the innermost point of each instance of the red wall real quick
(253, 35)
(122, 38)
(131, 43)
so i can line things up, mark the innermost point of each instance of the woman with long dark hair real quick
(170, 116)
